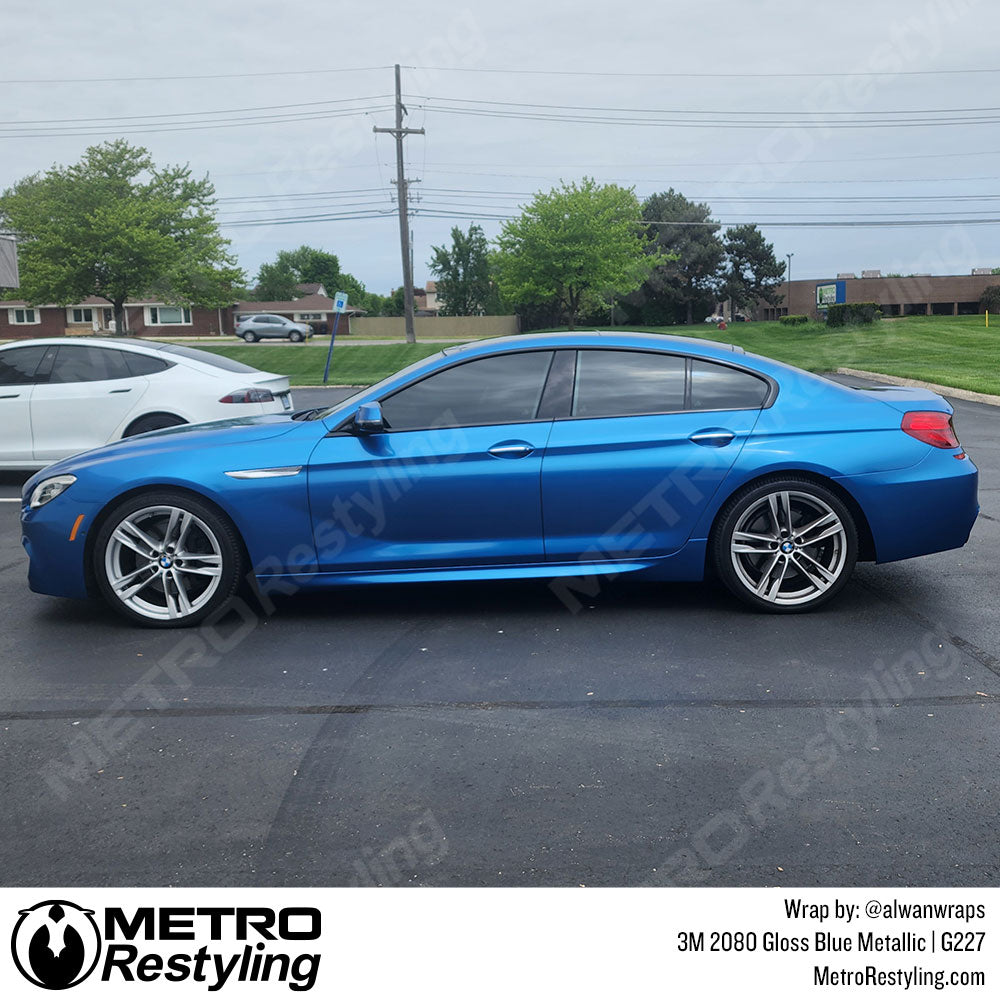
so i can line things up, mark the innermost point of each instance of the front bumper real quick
(57, 565)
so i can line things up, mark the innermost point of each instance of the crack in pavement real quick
(210, 711)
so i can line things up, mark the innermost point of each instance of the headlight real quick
(49, 489)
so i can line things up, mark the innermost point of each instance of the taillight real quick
(248, 396)
(931, 427)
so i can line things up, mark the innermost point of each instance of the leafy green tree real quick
(393, 304)
(990, 299)
(692, 256)
(463, 273)
(752, 273)
(117, 226)
(277, 280)
(575, 246)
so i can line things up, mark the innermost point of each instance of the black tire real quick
(153, 422)
(296, 337)
(249, 336)
(772, 568)
(208, 532)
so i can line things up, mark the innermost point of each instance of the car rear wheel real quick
(167, 560)
(785, 545)
(249, 336)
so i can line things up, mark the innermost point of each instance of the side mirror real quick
(368, 419)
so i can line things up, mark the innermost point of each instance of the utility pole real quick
(401, 194)
(788, 279)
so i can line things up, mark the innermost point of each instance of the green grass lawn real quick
(950, 350)
(353, 364)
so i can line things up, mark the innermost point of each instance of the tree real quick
(990, 299)
(116, 226)
(692, 255)
(576, 246)
(277, 280)
(752, 271)
(463, 273)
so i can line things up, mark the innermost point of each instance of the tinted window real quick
(205, 357)
(622, 383)
(142, 364)
(18, 365)
(500, 390)
(87, 364)
(716, 387)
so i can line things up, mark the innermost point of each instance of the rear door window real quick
(627, 383)
(77, 363)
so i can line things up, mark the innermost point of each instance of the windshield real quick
(326, 411)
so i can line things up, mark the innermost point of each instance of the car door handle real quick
(712, 437)
(113, 391)
(13, 395)
(511, 449)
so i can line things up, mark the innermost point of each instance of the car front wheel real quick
(166, 559)
(296, 337)
(785, 545)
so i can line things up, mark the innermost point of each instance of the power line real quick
(196, 76)
(685, 111)
(809, 123)
(191, 114)
(195, 126)
(708, 75)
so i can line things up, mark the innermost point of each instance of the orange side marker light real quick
(76, 527)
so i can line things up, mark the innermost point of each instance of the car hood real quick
(173, 440)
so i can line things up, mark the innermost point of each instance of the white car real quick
(59, 397)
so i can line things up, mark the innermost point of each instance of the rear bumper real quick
(929, 507)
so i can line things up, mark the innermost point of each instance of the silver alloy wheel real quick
(163, 563)
(789, 547)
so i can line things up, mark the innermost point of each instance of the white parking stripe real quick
(10, 499)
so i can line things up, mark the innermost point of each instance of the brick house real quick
(144, 318)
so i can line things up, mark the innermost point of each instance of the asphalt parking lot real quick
(486, 735)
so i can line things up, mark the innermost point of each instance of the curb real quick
(328, 386)
(913, 383)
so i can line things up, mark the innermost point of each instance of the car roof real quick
(122, 343)
(601, 338)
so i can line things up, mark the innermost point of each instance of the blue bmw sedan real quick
(570, 456)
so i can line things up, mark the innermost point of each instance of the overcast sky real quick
(716, 65)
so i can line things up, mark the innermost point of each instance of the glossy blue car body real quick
(567, 496)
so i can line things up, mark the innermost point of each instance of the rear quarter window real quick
(718, 387)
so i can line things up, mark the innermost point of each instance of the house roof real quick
(309, 287)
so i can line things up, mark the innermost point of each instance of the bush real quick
(853, 314)
(793, 320)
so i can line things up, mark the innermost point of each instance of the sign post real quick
(339, 306)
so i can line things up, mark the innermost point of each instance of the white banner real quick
(476, 943)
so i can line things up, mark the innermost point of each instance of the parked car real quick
(264, 325)
(567, 457)
(60, 397)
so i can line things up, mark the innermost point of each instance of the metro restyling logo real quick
(57, 944)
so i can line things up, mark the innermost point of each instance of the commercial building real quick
(898, 295)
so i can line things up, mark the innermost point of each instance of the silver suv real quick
(263, 325)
